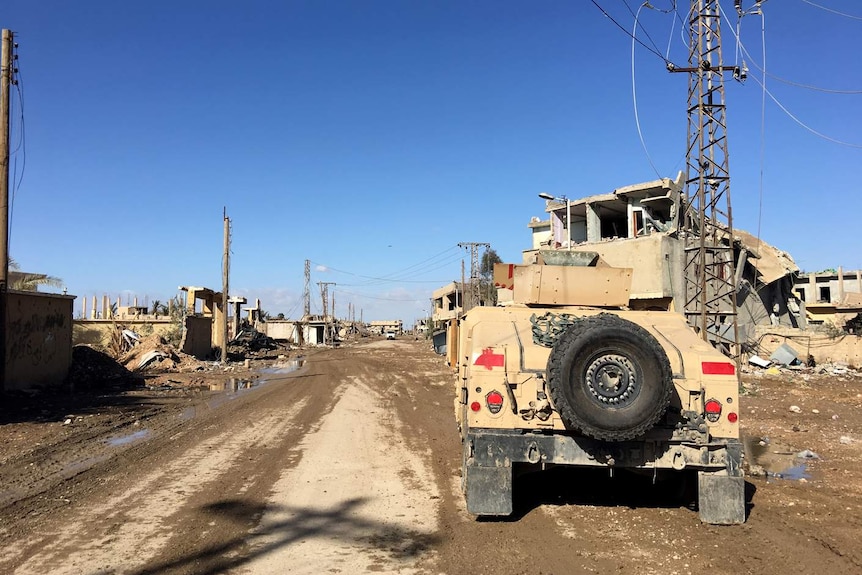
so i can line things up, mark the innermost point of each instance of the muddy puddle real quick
(129, 438)
(777, 460)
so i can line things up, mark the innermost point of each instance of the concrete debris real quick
(803, 371)
(845, 440)
(153, 352)
(130, 337)
(795, 409)
(151, 356)
(785, 355)
(758, 361)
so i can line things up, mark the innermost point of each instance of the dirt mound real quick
(92, 369)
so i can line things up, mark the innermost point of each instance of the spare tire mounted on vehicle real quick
(609, 378)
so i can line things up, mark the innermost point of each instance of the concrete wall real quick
(198, 337)
(97, 332)
(284, 330)
(825, 349)
(38, 340)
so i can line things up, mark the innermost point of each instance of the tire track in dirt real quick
(131, 533)
(357, 501)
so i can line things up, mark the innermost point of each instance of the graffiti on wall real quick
(35, 339)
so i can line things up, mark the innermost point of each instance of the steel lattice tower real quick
(306, 294)
(475, 286)
(707, 227)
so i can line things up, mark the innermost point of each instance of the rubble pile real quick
(154, 353)
(250, 343)
(92, 369)
(785, 359)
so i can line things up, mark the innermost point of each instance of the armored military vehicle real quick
(565, 374)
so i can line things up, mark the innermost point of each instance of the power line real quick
(638, 25)
(851, 16)
(17, 80)
(397, 276)
(618, 25)
(635, 94)
(803, 124)
(377, 297)
(782, 106)
(762, 69)
(378, 280)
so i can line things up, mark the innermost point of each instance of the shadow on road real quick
(340, 523)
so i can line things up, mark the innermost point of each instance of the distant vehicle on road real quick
(390, 335)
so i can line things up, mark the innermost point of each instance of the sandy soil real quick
(350, 463)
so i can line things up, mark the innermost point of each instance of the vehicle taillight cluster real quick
(493, 401)
(712, 408)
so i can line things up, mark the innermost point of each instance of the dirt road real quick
(349, 463)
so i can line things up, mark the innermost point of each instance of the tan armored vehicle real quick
(565, 375)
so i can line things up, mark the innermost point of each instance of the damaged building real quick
(637, 227)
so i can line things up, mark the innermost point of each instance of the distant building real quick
(447, 302)
(381, 327)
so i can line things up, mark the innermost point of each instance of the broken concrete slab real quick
(784, 355)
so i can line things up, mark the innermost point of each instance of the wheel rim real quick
(612, 379)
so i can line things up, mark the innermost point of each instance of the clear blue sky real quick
(372, 136)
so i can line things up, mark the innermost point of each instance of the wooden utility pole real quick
(5, 84)
(225, 284)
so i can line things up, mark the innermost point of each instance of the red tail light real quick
(494, 400)
(713, 410)
(732, 417)
(475, 406)
(718, 368)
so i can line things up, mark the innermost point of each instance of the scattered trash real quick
(795, 409)
(67, 422)
(758, 361)
(150, 357)
(807, 454)
(795, 473)
(130, 337)
(835, 418)
(815, 411)
(773, 371)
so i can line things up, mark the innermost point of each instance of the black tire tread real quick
(557, 379)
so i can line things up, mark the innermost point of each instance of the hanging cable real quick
(672, 28)
(620, 26)
(377, 297)
(634, 32)
(851, 16)
(762, 131)
(635, 95)
(21, 146)
(784, 108)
